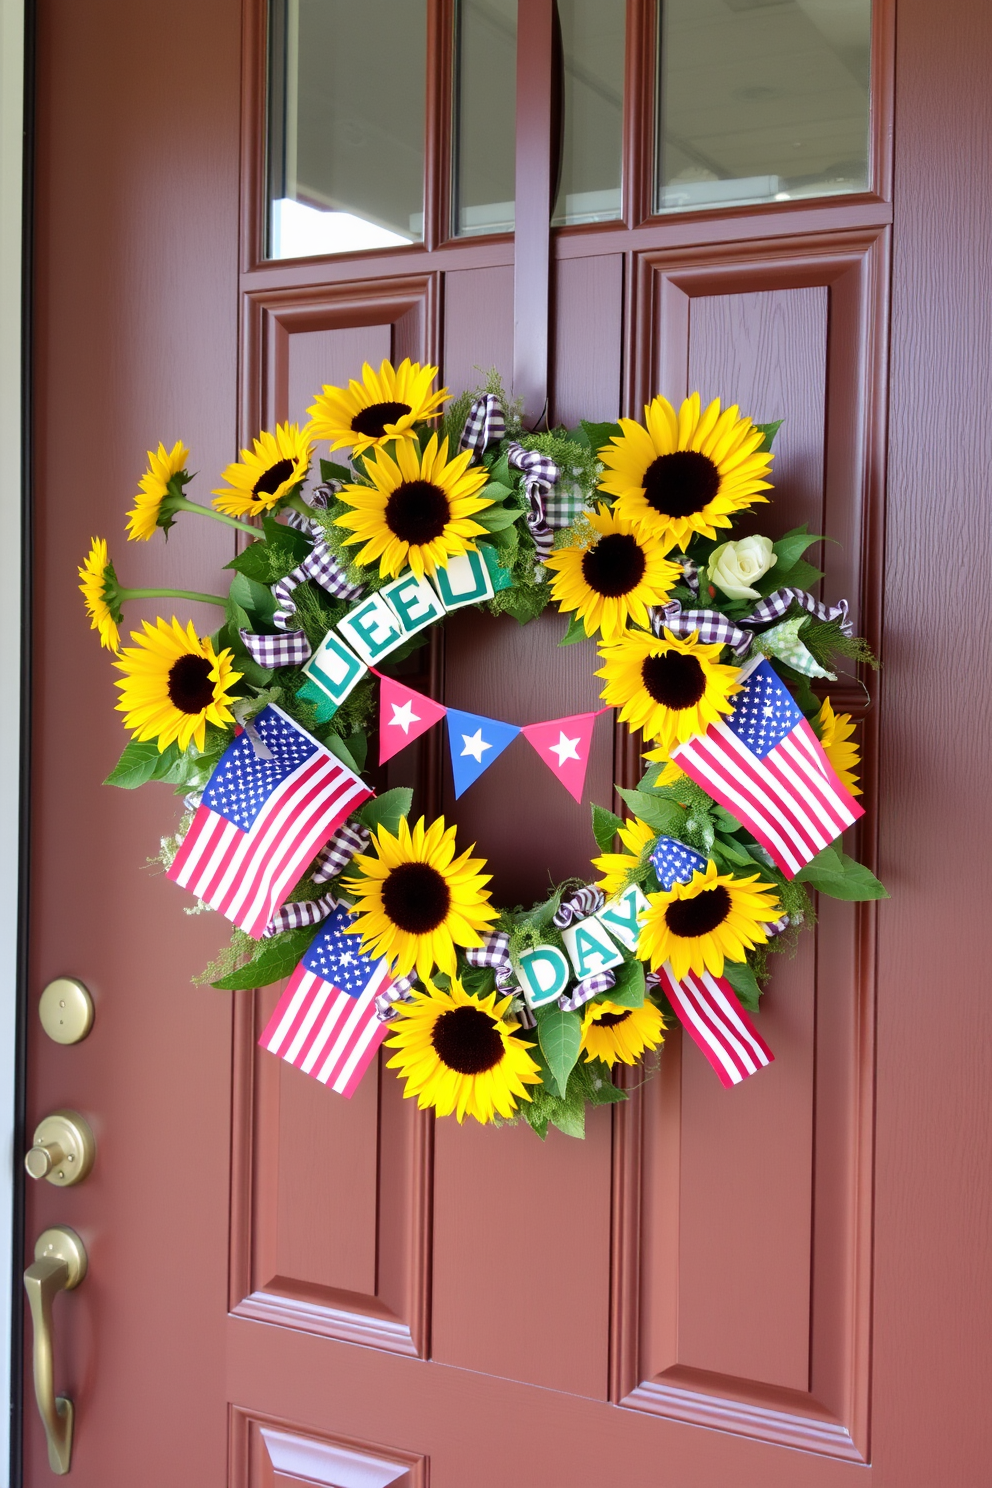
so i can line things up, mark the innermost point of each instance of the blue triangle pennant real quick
(475, 742)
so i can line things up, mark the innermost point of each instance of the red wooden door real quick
(781, 1285)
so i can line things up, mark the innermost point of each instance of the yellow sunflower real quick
(174, 685)
(835, 730)
(613, 577)
(612, 1033)
(418, 510)
(384, 405)
(695, 925)
(99, 589)
(266, 473)
(459, 1053)
(668, 687)
(416, 901)
(166, 475)
(685, 472)
(635, 836)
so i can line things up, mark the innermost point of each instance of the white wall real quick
(11, 150)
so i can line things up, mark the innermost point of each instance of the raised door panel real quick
(588, 313)
(271, 1453)
(478, 326)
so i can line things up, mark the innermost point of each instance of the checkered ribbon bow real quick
(590, 986)
(495, 953)
(295, 916)
(779, 604)
(400, 990)
(540, 476)
(319, 499)
(712, 626)
(334, 857)
(584, 901)
(484, 426)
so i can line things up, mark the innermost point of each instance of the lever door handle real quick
(59, 1265)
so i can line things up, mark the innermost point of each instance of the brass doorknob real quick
(59, 1266)
(62, 1149)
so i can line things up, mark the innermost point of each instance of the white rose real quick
(735, 566)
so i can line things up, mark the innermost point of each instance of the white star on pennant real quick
(474, 745)
(404, 717)
(565, 748)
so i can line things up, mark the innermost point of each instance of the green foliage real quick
(599, 435)
(588, 1084)
(605, 826)
(230, 959)
(832, 872)
(662, 816)
(275, 959)
(629, 988)
(576, 631)
(577, 463)
(189, 769)
(744, 982)
(453, 419)
(824, 640)
(331, 471)
(560, 1036)
(387, 809)
(769, 431)
(790, 548)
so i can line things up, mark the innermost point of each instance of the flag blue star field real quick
(674, 863)
(475, 742)
(765, 765)
(265, 813)
(325, 1023)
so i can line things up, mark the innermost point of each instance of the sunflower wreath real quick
(707, 646)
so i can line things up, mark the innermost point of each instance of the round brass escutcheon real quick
(66, 1011)
(63, 1149)
(62, 1244)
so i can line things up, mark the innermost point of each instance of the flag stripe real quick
(778, 801)
(730, 792)
(711, 1014)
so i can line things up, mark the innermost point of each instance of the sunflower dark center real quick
(372, 421)
(269, 483)
(674, 679)
(698, 916)
(466, 1040)
(615, 565)
(610, 1020)
(417, 511)
(416, 898)
(679, 484)
(190, 687)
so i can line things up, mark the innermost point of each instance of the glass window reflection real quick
(485, 108)
(592, 34)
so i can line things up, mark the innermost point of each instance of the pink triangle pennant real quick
(403, 716)
(564, 744)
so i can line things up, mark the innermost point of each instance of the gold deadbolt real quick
(62, 1150)
(66, 1011)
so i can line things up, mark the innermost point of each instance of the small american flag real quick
(261, 821)
(674, 863)
(325, 1023)
(766, 766)
(710, 1013)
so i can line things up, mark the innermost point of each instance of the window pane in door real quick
(346, 125)
(485, 106)
(761, 100)
(592, 33)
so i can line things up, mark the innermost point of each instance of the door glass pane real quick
(346, 125)
(592, 33)
(761, 100)
(485, 105)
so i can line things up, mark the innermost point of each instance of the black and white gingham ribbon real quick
(494, 952)
(320, 498)
(484, 426)
(577, 906)
(690, 571)
(779, 603)
(295, 916)
(288, 648)
(385, 1004)
(712, 626)
(320, 565)
(590, 986)
(777, 927)
(332, 859)
(540, 474)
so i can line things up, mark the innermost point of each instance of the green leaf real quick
(728, 848)
(629, 989)
(495, 491)
(576, 632)
(833, 873)
(337, 746)
(284, 538)
(495, 518)
(801, 575)
(605, 826)
(136, 765)
(790, 548)
(330, 471)
(277, 960)
(478, 981)
(769, 431)
(560, 1035)
(253, 562)
(599, 435)
(387, 810)
(655, 811)
(237, 619)
(254, 597)
(744, 982)
(499, 472)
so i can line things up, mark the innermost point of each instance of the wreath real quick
(708, 646)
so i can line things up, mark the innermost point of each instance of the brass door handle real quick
(59, 1266)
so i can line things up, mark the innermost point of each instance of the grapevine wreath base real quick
(706, 645)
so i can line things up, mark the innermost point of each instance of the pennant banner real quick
(475, 742)
(403, 716)
(712, 1016)
(564, 744)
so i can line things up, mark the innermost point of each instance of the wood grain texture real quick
(478, 326)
